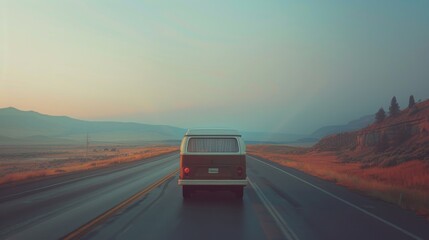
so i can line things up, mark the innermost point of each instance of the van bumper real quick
(223, 182)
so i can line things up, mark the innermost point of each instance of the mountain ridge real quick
(352, 125)
(21, 126)
(31, 127)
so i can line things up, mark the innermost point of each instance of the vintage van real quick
(212, 159)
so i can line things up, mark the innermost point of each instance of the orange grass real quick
(406, 184)
(25, 170)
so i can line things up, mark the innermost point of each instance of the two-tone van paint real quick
(212, 159)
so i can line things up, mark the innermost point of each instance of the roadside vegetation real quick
(19, 163)
(405, 184)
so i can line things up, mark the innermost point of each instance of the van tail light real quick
(186, 171)
(240, 171)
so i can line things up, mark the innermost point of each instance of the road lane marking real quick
(281, 223)
(73, 180)
(89, 226)
(345, 202)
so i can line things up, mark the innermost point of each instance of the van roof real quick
(212, 132)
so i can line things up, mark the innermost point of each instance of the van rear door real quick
(214, 158)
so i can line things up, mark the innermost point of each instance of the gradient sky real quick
(280, 66)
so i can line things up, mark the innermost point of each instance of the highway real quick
(278, 203)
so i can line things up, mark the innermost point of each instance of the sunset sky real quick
(278, 66)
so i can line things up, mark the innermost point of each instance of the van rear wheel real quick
(186, 192)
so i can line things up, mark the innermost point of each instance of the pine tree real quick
(411, 102)
(394, 107)
(380, 115)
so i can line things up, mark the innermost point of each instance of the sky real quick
(276, 66)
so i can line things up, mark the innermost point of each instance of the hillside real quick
(387, 160)
(393, 141)
(28, 127)
(350, 126)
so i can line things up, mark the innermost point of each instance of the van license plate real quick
(213, 170)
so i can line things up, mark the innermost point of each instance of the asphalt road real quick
(279, 203)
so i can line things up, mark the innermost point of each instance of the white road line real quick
(346, 202)
(281, 223)
(70, 181)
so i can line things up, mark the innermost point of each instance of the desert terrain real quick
(20, 163)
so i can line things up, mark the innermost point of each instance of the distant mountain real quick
(30, 127)
(350, 126)
(267, 137)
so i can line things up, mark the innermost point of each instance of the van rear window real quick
(212, 145)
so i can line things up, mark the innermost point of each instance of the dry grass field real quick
(18, 163)
(406, 184)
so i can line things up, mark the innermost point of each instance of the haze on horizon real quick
(278, 66)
